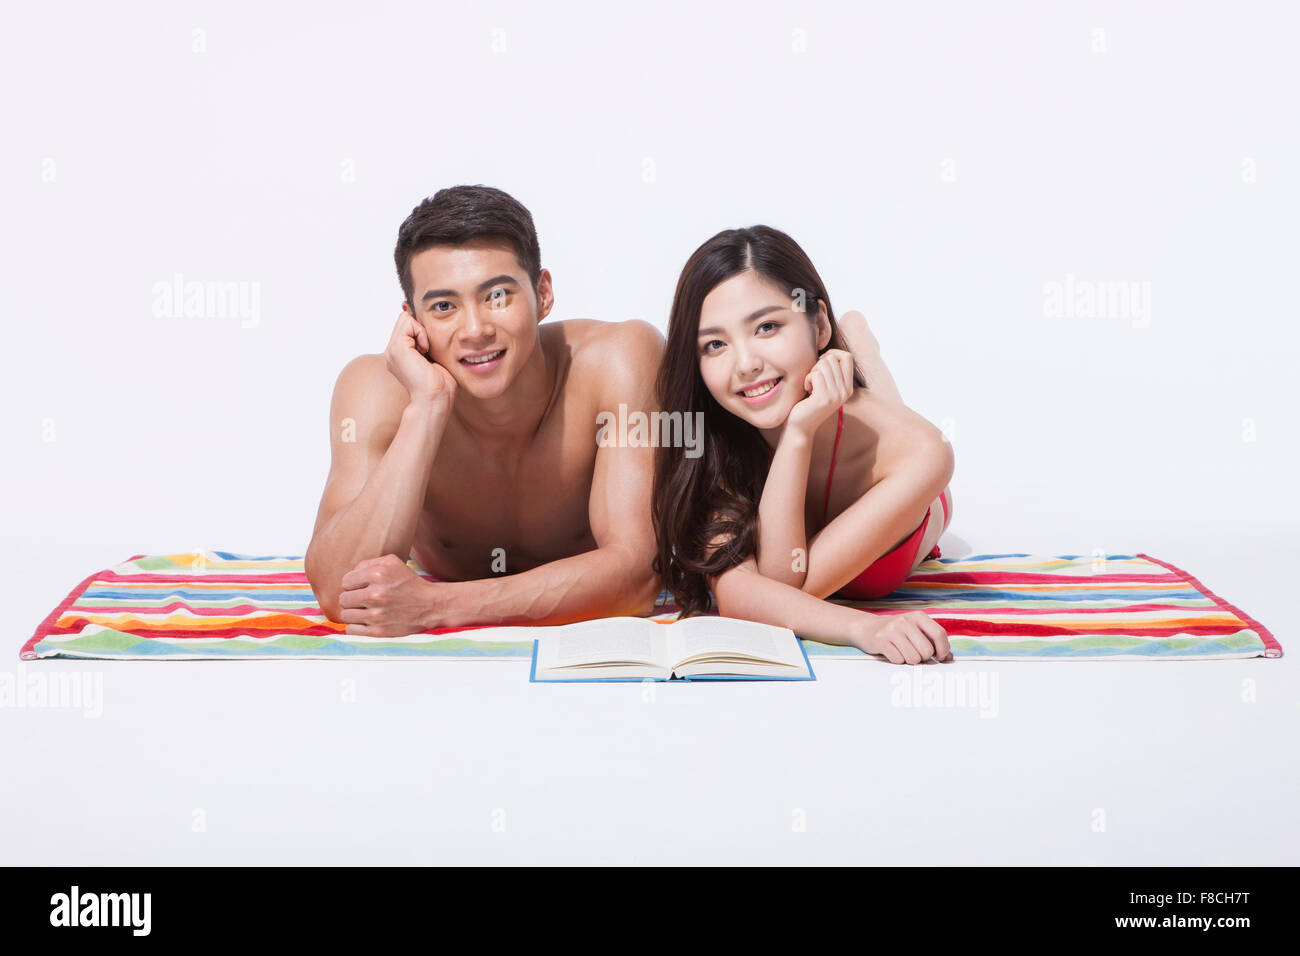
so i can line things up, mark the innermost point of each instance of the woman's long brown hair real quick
(716, 494)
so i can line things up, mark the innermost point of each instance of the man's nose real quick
(478, 321)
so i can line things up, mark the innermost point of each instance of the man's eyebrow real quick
(481, 287)
(712, 330)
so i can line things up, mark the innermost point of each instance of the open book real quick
(695, 648)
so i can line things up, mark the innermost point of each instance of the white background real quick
(940, 162)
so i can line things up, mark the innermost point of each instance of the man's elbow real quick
(327, 596)
(329, 603)
(330, 607)
(646, 597)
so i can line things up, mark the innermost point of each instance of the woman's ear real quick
(823, 326)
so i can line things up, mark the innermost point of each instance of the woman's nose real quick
(747, 360)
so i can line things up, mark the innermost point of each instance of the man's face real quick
(476, 303)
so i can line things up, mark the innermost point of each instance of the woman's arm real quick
(743, 592)
(781, 534)
(782, 540)
(874, 523)
(912, 637)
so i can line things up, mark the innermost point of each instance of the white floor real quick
(456, 762)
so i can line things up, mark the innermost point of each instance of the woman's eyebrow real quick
(757, 314)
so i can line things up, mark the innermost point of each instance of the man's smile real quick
(483, 361)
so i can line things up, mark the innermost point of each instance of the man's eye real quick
(436, 304)
(494, 298)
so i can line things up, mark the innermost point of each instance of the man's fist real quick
(407, 358)
(383, 597)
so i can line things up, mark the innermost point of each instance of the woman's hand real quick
(407, 358)
(830, 385)
(912, 637)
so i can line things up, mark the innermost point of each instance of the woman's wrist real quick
(862, 631)
(795, 437)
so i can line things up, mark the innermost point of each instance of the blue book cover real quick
(532, 674)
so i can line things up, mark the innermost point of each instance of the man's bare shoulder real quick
(618, 354)
(366, 383)
(592, 336)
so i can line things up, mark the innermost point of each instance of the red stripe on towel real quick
(1270, 642)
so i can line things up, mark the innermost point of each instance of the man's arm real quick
(616, 578)
(379, 471)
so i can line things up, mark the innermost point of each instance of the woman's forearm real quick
(782, 537)
(743, 593)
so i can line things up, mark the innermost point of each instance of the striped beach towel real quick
(223, 605)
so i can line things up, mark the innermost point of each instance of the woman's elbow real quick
(730, 604)
(793, 575)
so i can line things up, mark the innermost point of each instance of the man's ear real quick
(545, 294)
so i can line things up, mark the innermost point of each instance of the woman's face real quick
(752, 340)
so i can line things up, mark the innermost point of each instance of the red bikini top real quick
(839, 426)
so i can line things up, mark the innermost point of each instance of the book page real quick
(602, 641)
(726, 637)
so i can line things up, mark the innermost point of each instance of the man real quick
(471, 444)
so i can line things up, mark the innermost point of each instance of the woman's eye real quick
(774, 325)
(706, 348)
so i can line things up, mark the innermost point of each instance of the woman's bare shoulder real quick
(895, 428)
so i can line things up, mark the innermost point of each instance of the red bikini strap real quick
(839, 425)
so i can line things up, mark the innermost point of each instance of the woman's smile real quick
(762, 392)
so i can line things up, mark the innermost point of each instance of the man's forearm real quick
(383, 517)
(606, 582)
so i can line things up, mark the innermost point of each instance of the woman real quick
(794, 443)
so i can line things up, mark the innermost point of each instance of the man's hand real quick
(383, 597)
(409, 360)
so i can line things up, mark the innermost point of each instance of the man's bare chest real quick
(484, 514)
